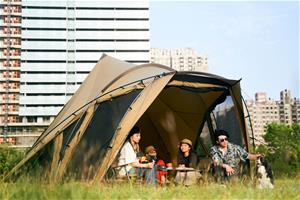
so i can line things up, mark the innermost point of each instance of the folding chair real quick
(114, 173)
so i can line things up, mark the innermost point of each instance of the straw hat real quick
(186, 141)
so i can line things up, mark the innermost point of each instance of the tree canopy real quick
(283, 147)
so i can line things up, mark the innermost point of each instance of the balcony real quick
(13, 11)
(4, 68)
(12, 2)
(14, 45)
(10, 34)
(11, 79)
(15, 101)
(10, 90)
(11, 57)
(7, 23)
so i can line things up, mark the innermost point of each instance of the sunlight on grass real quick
(284, 189)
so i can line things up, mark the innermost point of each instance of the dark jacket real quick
(190, 161)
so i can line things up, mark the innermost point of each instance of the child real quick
(151, 156)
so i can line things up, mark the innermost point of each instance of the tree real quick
(283, 147)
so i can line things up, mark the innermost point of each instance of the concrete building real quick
(184, 59)
(296, 111)
(264, 111)
(285, 107)
(47, 49)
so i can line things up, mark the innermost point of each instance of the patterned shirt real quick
(232, 157)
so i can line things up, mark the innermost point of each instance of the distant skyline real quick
(255, 41)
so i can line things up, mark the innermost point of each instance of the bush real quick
(8, 158)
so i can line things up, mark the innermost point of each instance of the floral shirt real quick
(234, 155)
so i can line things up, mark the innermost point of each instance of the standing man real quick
(227, 156)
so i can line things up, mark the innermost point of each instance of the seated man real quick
(187, 158)
(128, 158)
(227, 156)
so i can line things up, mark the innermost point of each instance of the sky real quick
(255, 41)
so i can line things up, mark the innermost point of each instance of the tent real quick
(87, 134)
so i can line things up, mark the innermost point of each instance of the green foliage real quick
(283, 149)
(8, 158)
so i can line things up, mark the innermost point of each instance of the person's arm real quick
(228, 169)
(217, 161)
(142, 165)
(254, 156)
(128, 157)
(245, 155)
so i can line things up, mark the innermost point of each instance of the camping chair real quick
(113, 174)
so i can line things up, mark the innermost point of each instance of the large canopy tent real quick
(88, 133)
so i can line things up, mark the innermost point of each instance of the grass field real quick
(284, 189)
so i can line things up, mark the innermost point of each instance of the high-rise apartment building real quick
(184, 59)
(264, 111)
(285, 107)
(47, 49)
(296, 111)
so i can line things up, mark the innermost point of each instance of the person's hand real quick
(216, 162)
(259, 155)
(181, 166)
(229, 170)
(150, 165)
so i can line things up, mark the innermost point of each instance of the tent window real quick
(204, 141)
(69, 133)
(95, 142)
(225, 114)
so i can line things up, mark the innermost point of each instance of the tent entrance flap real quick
(137, 109)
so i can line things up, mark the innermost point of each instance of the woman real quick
(186, 158)
(128, 160)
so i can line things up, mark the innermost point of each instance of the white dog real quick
(264, 174)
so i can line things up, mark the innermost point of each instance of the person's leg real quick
(234, 179)
(150, 175)
(132, 171)
(132, 174)
(179, 178)
(219, 174)
(191, 178)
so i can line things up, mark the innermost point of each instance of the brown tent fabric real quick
(86, 136)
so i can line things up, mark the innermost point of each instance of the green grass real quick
(284, 189)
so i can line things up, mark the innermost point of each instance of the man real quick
(186, 157)
(227, 156)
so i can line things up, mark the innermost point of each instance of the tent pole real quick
(55, 159)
